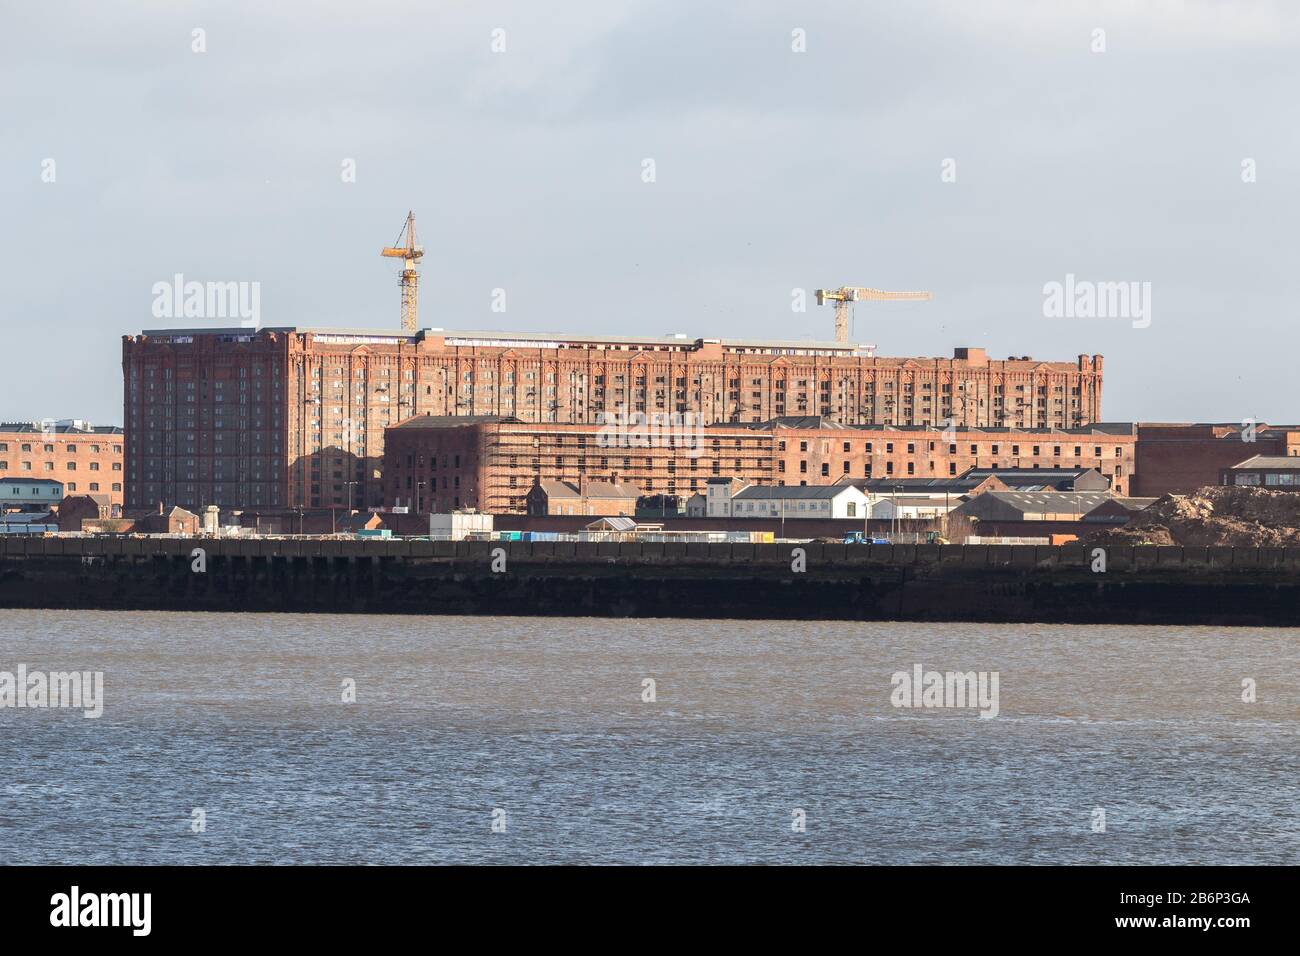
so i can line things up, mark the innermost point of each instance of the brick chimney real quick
(582, 484)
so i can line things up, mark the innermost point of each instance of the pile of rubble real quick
(1225, 516)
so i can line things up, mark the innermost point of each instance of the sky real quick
(636, 167)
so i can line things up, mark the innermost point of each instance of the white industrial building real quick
(459, 525)
(799, 501)
(915, 507)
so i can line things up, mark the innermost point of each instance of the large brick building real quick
(84, 458)
(437, 463)
(287, 417)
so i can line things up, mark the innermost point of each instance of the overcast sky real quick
(773, 170)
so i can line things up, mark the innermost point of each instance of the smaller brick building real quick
(73, 510)
(86, 459)
(587, 497)
(1178, 458)
(489, 463)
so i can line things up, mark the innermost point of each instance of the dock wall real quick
(1157, 585)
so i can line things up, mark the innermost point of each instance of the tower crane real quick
(411, 254)
(845, 296)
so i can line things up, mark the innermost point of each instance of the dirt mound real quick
(1213, 517)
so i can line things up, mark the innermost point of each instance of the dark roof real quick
(1273, 462)
(595, 489)
(32, 481)
(791, 491)
(956, 485)
(90, 496)
(33, 428)
(803, 421)
(452, 421)
(1042, 473)
(1135, 504)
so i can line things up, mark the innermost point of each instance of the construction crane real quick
(411, 254)
(845, 296)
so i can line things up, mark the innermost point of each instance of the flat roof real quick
(36, 428)
(496, 335)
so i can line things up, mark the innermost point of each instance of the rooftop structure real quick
(1041, 505)
(1044, 479)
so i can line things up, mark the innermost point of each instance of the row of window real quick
(952, 449)
(49, 466)
(1271, 480)
(47, 447)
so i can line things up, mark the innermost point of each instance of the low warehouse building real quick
(1042, 505)
(1273, 472)
(799, 501)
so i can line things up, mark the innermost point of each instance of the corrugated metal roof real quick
(614, 523)
(1050, 501)
(1274, 462)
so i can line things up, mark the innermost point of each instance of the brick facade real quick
(284, 417)
(441, 463)
(84, 458)
(1179, 458)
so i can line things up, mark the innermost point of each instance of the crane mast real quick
(410, 253)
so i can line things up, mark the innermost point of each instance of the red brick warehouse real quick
(295, 417)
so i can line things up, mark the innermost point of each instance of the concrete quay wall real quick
(1009, 583)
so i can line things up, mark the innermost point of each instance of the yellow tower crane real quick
(411, 254)
(845, 296)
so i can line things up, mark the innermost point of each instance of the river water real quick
(533, 740)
